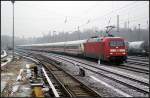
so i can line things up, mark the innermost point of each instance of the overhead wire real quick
(136, 19)
(133, 3)
(119, 9)
(109, 13)
(127, 5)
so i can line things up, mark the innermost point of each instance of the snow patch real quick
(8, 60)
(113, 88)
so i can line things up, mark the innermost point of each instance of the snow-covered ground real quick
(4, 54)
(10, 87)
(9, 59)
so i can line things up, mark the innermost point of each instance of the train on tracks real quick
(138, 48)
(110, 49)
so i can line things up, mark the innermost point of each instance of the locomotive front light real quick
(123, 53)
(110, 53)
(122, 50)
(112, 50)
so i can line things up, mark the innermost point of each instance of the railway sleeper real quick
(80, 91)
(66, 80)
(75, 88)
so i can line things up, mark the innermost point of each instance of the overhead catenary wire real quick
(126, 6)
(134, 5)
(104, 15)
(134, 20)
(129, 5)
(119, 9)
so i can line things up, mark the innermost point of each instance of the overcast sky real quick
(34, 18)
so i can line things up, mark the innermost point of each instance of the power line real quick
(87, 10)
(119, 9)
(133, 6)
(113, 11)
(127, 11)
(132, 24)
(141, 18)
(135, 18)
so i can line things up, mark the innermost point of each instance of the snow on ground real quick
(9, 86)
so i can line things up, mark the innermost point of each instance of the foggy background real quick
(55, 21)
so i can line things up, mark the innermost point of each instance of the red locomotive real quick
(103, 48)
(106, 49)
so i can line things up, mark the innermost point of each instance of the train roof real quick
(66, 43)
(57, 43)
(112, 37)
(75, 42)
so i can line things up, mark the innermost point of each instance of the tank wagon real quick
(104, 48)
(138, 48)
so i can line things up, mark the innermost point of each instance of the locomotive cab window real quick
(116, 43)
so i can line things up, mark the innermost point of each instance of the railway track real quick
(139, 57)
(132, 81)
(137, 62)
(130, 67)
(65, 85)
(134, 68)
(136, 83)
(138, 69)
(144, 59)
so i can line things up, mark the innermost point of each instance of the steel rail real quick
(64, 88)
(50, 83)
(93, 66)
(145, 81)
(138, 62)
(138, 89)
(131, 86)
(135, 69)
(139, 59)
(95, 93)
(41, 62)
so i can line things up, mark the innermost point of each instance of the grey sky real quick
(34, 18)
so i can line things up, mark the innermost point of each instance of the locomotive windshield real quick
(116, 43)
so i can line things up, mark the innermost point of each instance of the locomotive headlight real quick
(110, 53)
(122, 50)
(112, 50)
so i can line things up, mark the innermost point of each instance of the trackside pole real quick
(99, 61)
